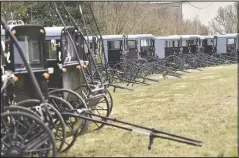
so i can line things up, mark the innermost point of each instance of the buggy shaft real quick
(185, 141)
(146, 128)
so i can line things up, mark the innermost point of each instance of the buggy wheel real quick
(97, 103)
(110, 99)
(101, 108)
(25, 135)
(19, 108)
(76, 102)
(74, 125)
(54, 121)
(175, 62)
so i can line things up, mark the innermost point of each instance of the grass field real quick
(202, 105)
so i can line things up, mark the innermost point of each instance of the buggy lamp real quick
(78, 67)
(64, 69)
(46, 75)
(14, 32)
(50, 70)
(42, 31)
(15, 78)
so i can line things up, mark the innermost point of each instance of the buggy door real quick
(133, 50)
(231, 45)
(176, 46)
(114, 51)
(193, 45)
(168, 48)
(185, 46)
(221, 45)
(152, 48)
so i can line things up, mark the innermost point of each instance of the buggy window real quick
(184, 43)
(176, 44)
(131, 44)
(166, 43)
(31, 49)
(3, 60)
(151, 42)
(170, 43)
(210, 42)
(230, 41)
(114, 44)
(50, 50)
(68, 49)
(214, 41)
(144, 42)
(192, 42)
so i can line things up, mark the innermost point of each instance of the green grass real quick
(202, 105)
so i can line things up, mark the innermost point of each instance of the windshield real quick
(31, 49)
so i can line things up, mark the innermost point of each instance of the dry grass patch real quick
(204, 109)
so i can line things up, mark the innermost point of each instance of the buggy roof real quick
(206, 37)
(141, 36)
(228, 35)
(112, 37)
(12, 26)
(190, 36)
(53, 31)
(173, 37)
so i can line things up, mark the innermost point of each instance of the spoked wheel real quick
(20, 109)
(110, 99)
(54, 120)
(174, 61)
(76, 102)
(74, 125)
(25, 135)
(101, 108)
(97, 103)
(118, 73)
(189, 61)
(203, 59)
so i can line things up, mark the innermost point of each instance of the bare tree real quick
(143, 18)
(226, 20)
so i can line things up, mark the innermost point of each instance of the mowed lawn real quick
(202, 105)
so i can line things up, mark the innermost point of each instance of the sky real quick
(206, 14)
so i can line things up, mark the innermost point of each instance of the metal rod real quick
(87, 44)
(77, 55)
(106, 64)
(146, 128)
(133, 130)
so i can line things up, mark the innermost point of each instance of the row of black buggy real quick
(55, 83)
